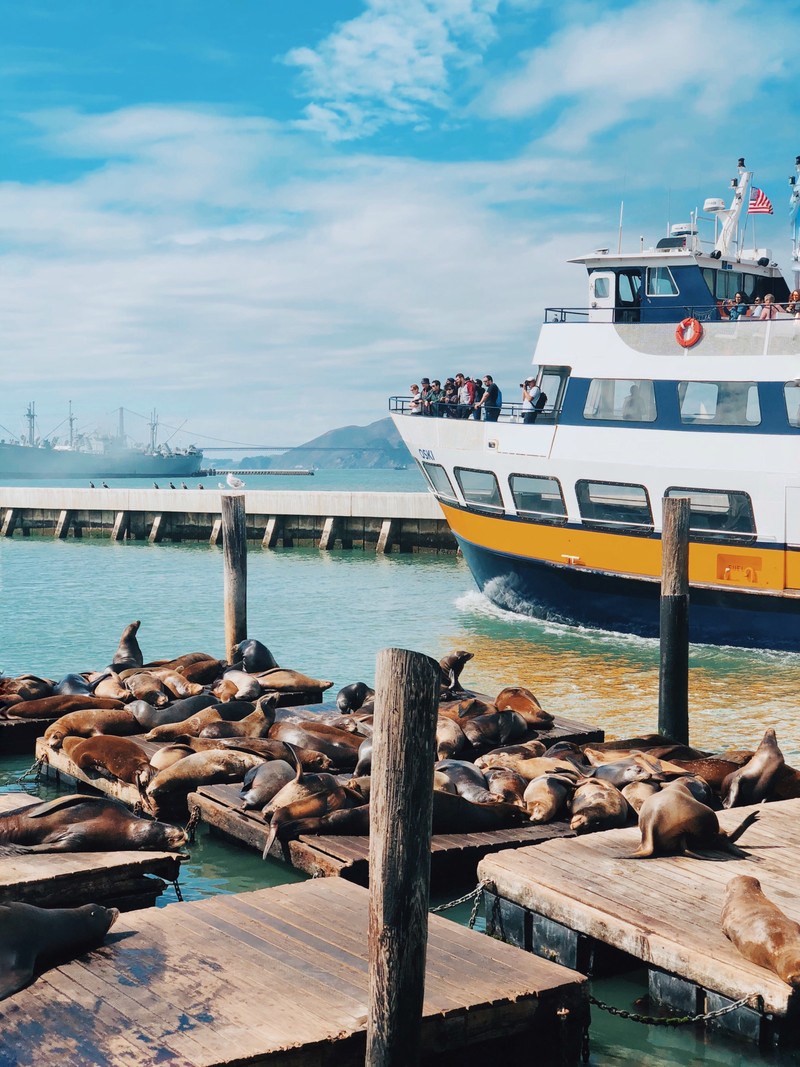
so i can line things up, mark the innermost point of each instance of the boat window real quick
(660, 282)
(441, 484)
(611, 504)
(600, 287)
(621, 399)
(718, 514)
(791, 397)
(537, 498)
(553, 383)
(480, 488)
(719, 403)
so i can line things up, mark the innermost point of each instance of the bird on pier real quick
(155, 485)
(184, 485)
(234, 482)
(171, 485)
(105, 486)
(201, 486)
(91, 485)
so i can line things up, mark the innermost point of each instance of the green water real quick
(64, 605)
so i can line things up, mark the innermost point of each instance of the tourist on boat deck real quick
(492, 400)
(415, 407)
(466, 394)
(530, 394)
(478, 386)
(450, 400)
(793, 307)
(435, 398)
(769, 309)
(738, 308)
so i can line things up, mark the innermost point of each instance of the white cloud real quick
(391, 64)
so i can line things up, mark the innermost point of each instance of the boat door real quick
(602, 295)
(792, 580)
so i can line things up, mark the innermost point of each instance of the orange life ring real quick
(688, 332)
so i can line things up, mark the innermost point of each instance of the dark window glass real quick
(791, 397)
(718, 514)
(719, 403)
(480, 488)
(442, 485)
(537, 498)
(610, 504)
(621, 399)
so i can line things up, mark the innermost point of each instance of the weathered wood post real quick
(673, 678)
(234, 554)
(401, 803)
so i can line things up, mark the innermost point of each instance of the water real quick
(328, 614)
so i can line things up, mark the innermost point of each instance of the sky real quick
(264, 218)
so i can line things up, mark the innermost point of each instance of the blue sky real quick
(263, 218)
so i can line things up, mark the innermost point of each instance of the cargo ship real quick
(668, 381)
(94, 455)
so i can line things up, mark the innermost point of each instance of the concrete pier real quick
(379, 522)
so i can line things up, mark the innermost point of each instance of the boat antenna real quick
(619, 239)
(731, 215)
(30, 415)
(153, 430)
(794, 205)
(72, 420)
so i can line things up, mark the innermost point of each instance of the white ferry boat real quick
(653, 390)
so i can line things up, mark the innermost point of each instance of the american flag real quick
(760, 203)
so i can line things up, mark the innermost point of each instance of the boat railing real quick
(402, 405)
(717, 312)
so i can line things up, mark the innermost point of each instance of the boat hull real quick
(19, 461)
(579, 596)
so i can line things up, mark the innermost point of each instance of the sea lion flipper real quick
(14, 974)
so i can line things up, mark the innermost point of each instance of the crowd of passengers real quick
(463, 397)
(739, 308)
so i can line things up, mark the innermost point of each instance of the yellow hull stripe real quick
(740, 566)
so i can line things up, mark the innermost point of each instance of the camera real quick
(522, 385)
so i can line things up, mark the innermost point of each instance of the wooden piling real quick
(234, 554)
(406, 699)
(673, 678)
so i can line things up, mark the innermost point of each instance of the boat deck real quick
(280, 976)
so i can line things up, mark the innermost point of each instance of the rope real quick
(194, 819)
(474, 895)
(677, 1020)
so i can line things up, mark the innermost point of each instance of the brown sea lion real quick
(201, 768)
(451, 740)
(635, 768)
(507, 784)
(128, 653)
(756, 780)
(31, 937)
(467, 779)
(256, 724)
(169, 754)
(453, 814)
(498, 729)
(190, 727)
(518, 698)
(148, 687)
(346, 821)
(597, 805)
(319, 803)
(529, 767)
(78, 823)
(338, 745)
(203, 671)
(111, 757)
(149, 717)
(309, 758)
(109, 684)
(55, 706)
(760, 930)
(88, 722)
(673, 821)
(262, 783)
(636, 793)
(526, 749)
(712, 768)
(24, 687)
(283, 680)
(237, 685)
(451, 666)
(177, 684)
(546, 797)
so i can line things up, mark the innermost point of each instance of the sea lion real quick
(78, 823)
(712, 769)
(128, 653)
(364, 765)
(518, 698)
(451, 740)
(24, 687)
(177, 685)
(108, 684)
(317, 804)
(203, 671)
(760, 930)
(149, 717)
(636, 793)
(201, 768)
(111, 757)
(453, 814)
(254, 657)
(451, 666)
(310, 759)
(256, 724)
(148, 687)
(672, 821)
(351, 697)
(190, 727)
(283, 680)
(237, 685)
(91, 721)
(347, 821)
(31, 936)
(756, 780)
(262, 783)
(338, 745)
(526, 749)
(169, 754)
(497, 729)
(507, 784)
(597, 805)
(53, 707)
(73, 685)
(470, 708)
(529, 767)
(468, 780)
(546, 797)
(635, 768)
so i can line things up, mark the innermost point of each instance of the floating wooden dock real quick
(454, 857)
(569, 899)
(280, 976)
(378, 522)
(124, 880)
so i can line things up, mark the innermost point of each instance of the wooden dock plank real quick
(665, 911)
(274, 976)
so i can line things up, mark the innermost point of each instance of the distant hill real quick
(377, 445)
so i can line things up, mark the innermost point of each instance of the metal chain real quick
(35, 769)
(678, 1020)
(194, 819)
(177, 889)
(473, 893)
